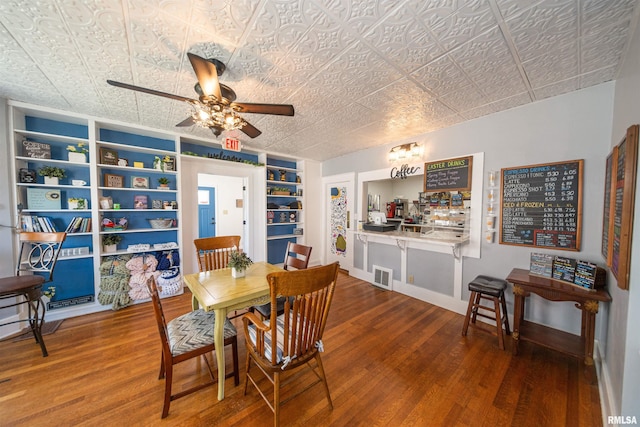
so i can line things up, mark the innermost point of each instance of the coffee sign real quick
(404, 171)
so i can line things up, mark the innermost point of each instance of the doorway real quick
(206, 212)
(221, 206)
(339, 200)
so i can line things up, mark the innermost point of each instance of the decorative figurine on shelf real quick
(283, 175)
(292, 217)
(298, 179)
(270, 216)
(283, 217)
(271, 176)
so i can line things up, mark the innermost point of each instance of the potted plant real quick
(164, 182)
(47, 295)
(51, 174)
(110, 242)
(78, 153)
(239, 262)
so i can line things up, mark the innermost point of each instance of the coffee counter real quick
(444, 242)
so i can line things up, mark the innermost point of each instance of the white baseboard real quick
(608, 404)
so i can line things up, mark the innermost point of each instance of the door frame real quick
(327, 181)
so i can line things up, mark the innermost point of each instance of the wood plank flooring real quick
(390, 360)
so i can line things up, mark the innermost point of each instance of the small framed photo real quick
(108, 156)
(141, 182)
(170, 164)
(106, 203)
(28, 176)
(114, 181)
(156, 204)
(140, 202)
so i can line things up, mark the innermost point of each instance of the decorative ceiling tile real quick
(358, 73)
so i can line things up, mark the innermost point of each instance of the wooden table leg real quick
(589, 310)
(218, 338)
(518, 313)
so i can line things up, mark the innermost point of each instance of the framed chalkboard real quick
(448, 175)
(541, 205)
(623, 199)
(608, 207)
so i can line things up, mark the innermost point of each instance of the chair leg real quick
(236, 368)
(324, 379)
(496, 309)
(465, 326)
(476, 304)
(276, 398)
(504, 312)
(167, 390)
(36, 321)
(246, 376)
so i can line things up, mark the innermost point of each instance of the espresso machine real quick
(400, 207)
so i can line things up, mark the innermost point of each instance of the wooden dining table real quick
(218, 291)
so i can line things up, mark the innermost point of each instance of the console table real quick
(555, 290)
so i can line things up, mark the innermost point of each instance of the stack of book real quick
(79, 224)
(35, 223)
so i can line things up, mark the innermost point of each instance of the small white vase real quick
(51, 180)
(110, 248)
(75, 157)
(237, 273)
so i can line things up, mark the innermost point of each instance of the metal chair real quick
(186, 337)
(287, 342)
(297, 257)
(36, 260)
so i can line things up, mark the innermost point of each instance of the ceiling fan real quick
(216, 107)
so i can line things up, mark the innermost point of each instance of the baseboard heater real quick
(382, 277)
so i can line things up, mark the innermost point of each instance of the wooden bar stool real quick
(491, 289)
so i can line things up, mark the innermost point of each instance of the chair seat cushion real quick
(194, 330)
(265, 309)
(267, 339)
(488, 285)
(20, 284)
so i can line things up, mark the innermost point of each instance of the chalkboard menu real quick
(448, 175)
(542, 205)
(623, 199)
(564, 269)
(607, 214)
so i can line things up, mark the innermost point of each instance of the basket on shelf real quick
(161, 222)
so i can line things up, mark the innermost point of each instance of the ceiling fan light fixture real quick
(213, 116)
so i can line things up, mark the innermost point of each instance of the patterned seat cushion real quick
(194, 330)
(267, 339)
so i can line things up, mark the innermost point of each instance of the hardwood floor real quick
(390, 361)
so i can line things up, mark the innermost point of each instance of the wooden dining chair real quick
(296, 257)
(295, 337)
(36, 261)
(186, 337)
(213, 252)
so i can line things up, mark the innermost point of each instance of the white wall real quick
(623, 344)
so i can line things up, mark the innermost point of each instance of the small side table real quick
(554, 290)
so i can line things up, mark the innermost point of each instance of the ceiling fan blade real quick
(250, 130)
(207, 75)
(187, 122)
(278, 109)
(149, 91)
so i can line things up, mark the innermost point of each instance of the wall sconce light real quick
(405, 152)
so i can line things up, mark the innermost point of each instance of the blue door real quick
(206, 211)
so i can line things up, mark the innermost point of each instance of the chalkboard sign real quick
(542, 205)
(623, 199)
(585, 274)
(448, 175)
(541, 264)
(36, 150)
(564, 269)
(607, 210)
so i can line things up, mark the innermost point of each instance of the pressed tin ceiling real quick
(359, 73)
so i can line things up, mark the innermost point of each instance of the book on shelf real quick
(39, 224)
(79, 224)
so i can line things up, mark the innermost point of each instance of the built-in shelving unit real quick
(285, 206)
(91, 191)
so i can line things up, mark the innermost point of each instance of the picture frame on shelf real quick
(169, 163)
(106, 202)
(156, 204)
(140, 182)
(140, 202)
(28, 176)
(108, 156)
(36, 150)
(113, 181)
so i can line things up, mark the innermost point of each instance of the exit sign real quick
(232, 144)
